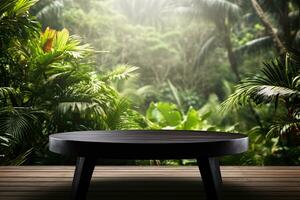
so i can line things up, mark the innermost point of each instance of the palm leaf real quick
(255, 46)
(53, 6)
(15, 7)
(254, 89)
(120, 72)
(277, 81)
(5, 140)
(114, 118)
(6, 91)
(206, 47)
(284, 126)
(21, 158)
(214, 9)
(15, 24)
(23, 6)
(84, 108)
(20, 122)
(7, 5)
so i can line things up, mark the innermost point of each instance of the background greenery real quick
(223, 65)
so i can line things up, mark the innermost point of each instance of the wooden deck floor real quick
(149, 183)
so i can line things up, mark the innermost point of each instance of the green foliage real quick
(143, 51)
(53, 87)
(183, 98)
(168, 116)
(266, 151)
(163, 115)
(130, 89)
(278, 83)
(15, 22)
(216, 9)
(278, 80)
(49, 12)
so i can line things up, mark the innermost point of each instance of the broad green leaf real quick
(170, 112)
(191, 121)
(153, 114)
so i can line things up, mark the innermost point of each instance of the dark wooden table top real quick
(148, 144)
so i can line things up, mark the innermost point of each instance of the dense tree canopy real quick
(150, 64)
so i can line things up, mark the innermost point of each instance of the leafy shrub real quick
(49, 85)
(163, 115)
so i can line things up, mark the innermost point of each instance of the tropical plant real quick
(163, 115)
(168, 116)
(277, 83)
(16, 27)
(223, 14)
(49, 13)
(15, 22)
(52, 86)
(133, 92)
(280, 22)
(52, 81)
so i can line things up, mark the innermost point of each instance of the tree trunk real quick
(260, 13)
(234, 67)
(230, 54)
(285, 23)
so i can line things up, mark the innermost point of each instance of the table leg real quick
(82, 177)
(211, 177)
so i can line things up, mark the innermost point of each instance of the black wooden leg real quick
(211, 177)
(82, 177)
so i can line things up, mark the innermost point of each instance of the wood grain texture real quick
(159, 183)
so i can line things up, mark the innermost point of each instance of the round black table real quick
(205, 146)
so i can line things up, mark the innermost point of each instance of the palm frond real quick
(131, 89)
(284, 126)
(20, 122)
(206, 47)
(5, 140)
(121, 72)
(7, 5)
(23, 6)
(87, 97)
(83, 108)
(216, 9)
(15, 23)
(122, 117)
(6, 91)
(114, 118)
(15, 7)
(277, 80)
(255, 46)
(21, 158)
(53, 6)
(254, 89)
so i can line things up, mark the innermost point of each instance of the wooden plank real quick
(148, 183)
(68, 179)
(59, 182)
(146, 174)
(105, 187)
(234, 168)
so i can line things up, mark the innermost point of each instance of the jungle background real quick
(218, 65)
